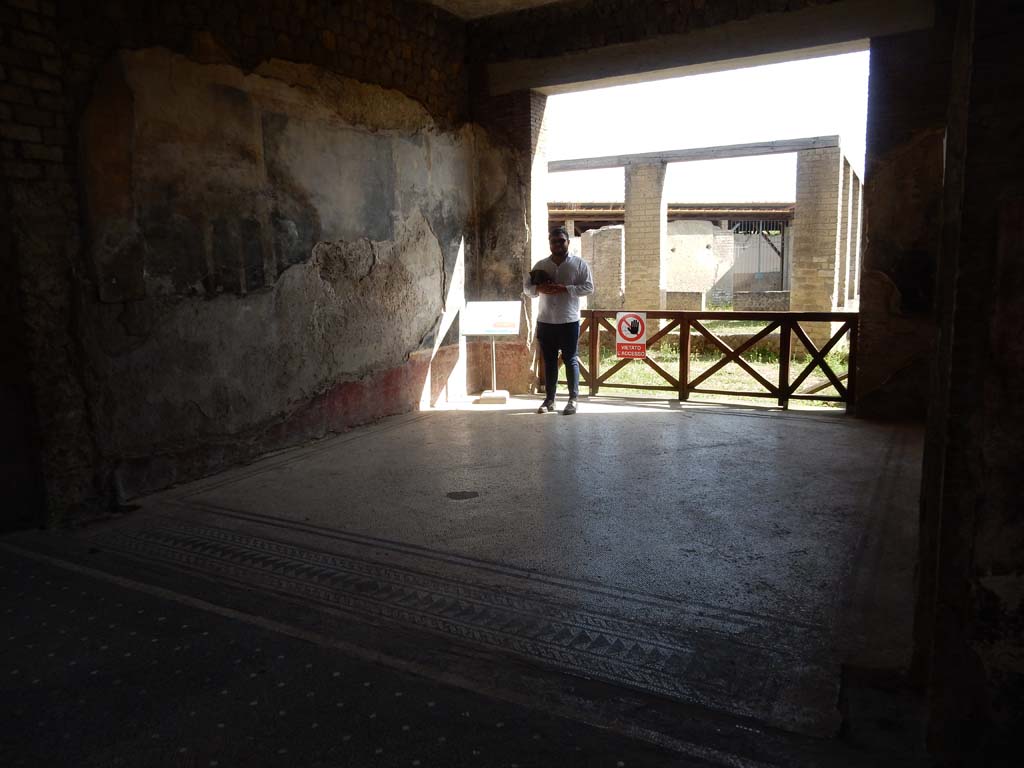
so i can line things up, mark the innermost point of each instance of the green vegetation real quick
(731, 377)
(745, 327)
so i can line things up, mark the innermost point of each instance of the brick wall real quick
(646, 210)
(38, 171)
(413, 47)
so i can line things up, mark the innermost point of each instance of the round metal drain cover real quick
(462, 495)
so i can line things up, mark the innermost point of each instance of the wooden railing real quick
(785, 388)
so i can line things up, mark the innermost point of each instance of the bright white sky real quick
(814, 97)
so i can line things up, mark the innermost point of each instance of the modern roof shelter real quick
(591, 215)
(721, 152)
(825, 261)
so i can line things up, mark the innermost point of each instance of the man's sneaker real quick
(570, 408)
(548, 406)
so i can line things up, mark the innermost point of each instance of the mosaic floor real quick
(99, 675)
(727, 660)
(455, 547)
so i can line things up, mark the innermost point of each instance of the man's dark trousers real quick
(565, 337)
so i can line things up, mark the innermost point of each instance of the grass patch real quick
(745, 327)
(731, 377)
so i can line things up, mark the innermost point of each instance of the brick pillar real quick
(845, 239)
(646, 235)
(853, 289)
(816, 221)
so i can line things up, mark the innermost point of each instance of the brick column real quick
(845, 240)
(816, 220)
(853, 288)
(646, 234)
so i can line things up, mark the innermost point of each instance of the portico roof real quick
(699, 153)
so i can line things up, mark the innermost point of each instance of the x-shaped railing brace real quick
(818, 359)
(650, 363)
(733, 355)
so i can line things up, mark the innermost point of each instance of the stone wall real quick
(21, 480)
(603, 250)
(206, 311)
(761, 301)
(685, 301)
(972, 622)
(756, 281)
(691, 264)
(902, 201)
(505, 195)
(511, 222)
(723, 249)
(284, 238)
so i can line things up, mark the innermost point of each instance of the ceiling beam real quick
(700, 153)
(838, 27)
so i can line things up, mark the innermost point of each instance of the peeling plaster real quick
(281, 233)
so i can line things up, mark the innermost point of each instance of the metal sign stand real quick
(494, 396)
(491, 318)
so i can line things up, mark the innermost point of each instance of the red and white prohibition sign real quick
(631, 334)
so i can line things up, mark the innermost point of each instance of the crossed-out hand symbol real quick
(633, 326)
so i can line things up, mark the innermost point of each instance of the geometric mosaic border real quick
(705, 668)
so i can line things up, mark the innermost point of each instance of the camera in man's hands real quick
(540, 277)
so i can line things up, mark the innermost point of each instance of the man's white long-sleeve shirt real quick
(574, 274)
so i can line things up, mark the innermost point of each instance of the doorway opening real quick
(738, 191)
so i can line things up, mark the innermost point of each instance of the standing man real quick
(558, 321)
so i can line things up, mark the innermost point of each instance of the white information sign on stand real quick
(491, 318)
